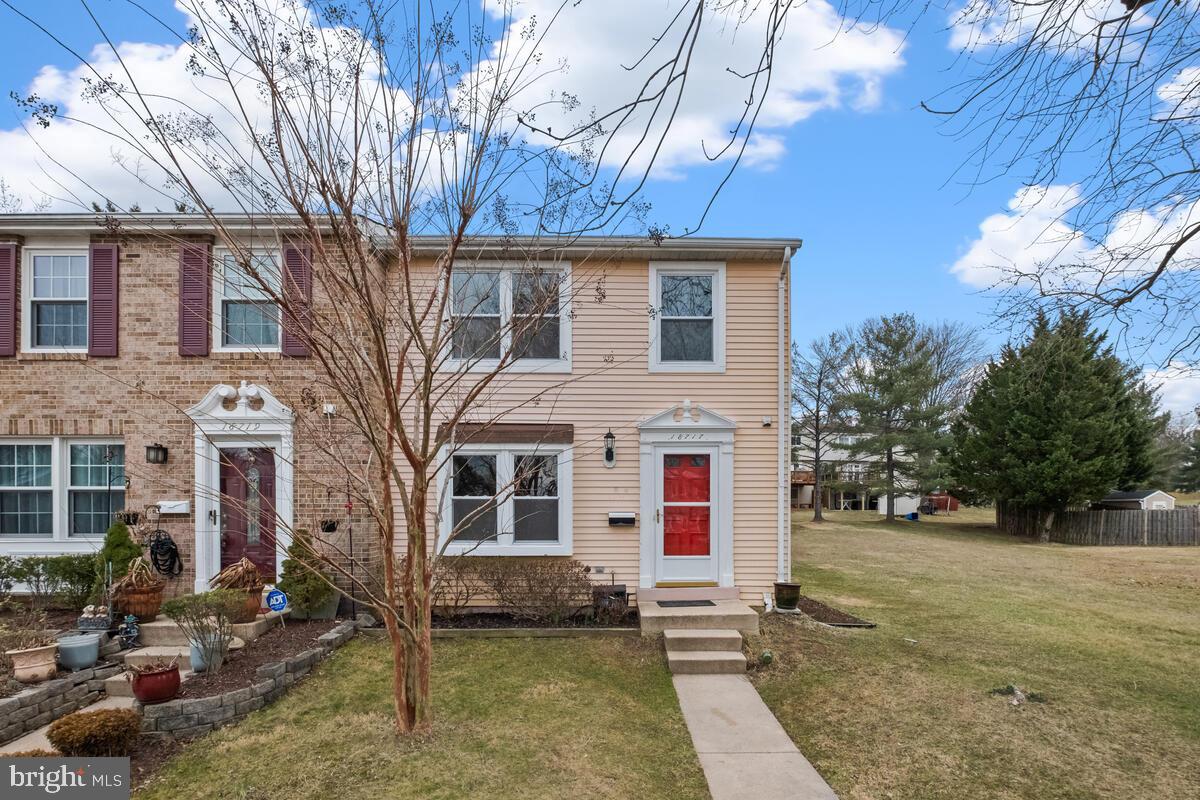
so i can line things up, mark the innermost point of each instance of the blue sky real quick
(869, 187)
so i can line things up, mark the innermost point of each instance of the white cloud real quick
(1181, 94)
(1035, 241)
(1179, 389)
(818, 66)
(1069, 24)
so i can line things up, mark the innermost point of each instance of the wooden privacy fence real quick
(1179, 526)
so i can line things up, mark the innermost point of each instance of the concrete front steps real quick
(699, 651)
(723, 614)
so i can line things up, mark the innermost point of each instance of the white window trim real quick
(27, 255)
(713, 268)
(61, 540)
(218, 298)
(505, 546)
(544, 365)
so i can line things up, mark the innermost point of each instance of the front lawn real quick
(516, 718)
(1110, 637)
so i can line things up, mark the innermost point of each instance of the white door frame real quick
(247, 424)
(674, 430)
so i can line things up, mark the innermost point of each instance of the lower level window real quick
(509, 499)
(58, 488)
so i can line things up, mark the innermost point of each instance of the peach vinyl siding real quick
(610, 387)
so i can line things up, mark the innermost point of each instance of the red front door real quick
(248, 508)
(687, 504)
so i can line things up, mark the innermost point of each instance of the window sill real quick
(246, 354)
(52, 355)
(489, 550)
(696, 368)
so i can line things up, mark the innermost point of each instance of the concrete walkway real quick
(744, 751)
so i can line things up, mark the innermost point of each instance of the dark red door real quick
(687, 504)
(248, 508)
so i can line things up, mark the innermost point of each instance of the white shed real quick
(904, 504)
(1142, 499)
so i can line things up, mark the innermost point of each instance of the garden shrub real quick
(8, 571)
(39, 753)
(456, 582)
(118, 549)
(549, 590)
(205, 621)
(73, 577)
(39, 578)
(304, 580)
(108, 732)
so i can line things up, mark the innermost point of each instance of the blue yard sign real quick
(276, 600)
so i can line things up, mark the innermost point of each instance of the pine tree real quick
(891, 379)
(1189, 474)
(1057, 421)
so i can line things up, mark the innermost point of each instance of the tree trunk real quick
(817, 517)
(1044, 530)
(891, 488)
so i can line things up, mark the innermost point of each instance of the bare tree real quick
(817, 377)
(391, 149)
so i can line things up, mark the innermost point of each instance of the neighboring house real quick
(110, 344)
(846, 481)
(1141, 499)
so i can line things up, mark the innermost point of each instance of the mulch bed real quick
(149, 756)
(277, 644)
(831, 616)
(58, 619)
(493, 620)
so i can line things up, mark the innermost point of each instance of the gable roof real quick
(1139, 494)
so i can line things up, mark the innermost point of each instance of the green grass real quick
(1110, 636)
(515, 718)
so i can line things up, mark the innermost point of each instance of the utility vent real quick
(685, 603)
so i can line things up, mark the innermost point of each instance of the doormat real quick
(684, 603)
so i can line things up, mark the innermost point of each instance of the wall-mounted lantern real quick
(156, 454)
(610, 449)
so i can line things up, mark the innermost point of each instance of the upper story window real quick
(246, 318)
(60, 488)
(517, 311)
(57, 303)
(687, 328)
(509, 500)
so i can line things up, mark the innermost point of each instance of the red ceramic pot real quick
(156, 687)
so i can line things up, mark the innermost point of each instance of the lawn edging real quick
(520, 633)
(184, 719)
(43, 703)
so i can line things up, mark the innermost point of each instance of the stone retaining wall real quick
(183, 719)
(45, 702)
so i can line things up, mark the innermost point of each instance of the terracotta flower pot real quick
(142, 603)
(250, 610)
(156, 687)
(35, 664)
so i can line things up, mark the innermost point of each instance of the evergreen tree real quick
(1057, 421)
(1189, 473)
(891, 380)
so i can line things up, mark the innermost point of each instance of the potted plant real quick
(30, 647)
(139, 593)
(156, 682)
(787, 595)
(242, 576)
(206, 621)
(308, 588)
(78, 651)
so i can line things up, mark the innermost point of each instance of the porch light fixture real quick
(156, 454)
(610, 449)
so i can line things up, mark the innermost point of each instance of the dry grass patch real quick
(516, 718)
(1110, 636)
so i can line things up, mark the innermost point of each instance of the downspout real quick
(784, 544)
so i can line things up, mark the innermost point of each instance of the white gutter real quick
(784, 544)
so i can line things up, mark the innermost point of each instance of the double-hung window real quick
(57, 300)
(59, 488)
(246, 316)
(508, 500)
(26, 490)
(687, 326)
(513, 312)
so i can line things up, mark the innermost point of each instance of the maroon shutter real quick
(194, 297)
(103, 300)
(8, 299)
(297, 289)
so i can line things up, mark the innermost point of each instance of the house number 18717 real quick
(686, 437)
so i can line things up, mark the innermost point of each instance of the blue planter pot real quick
(197, 659)
(79, 651)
